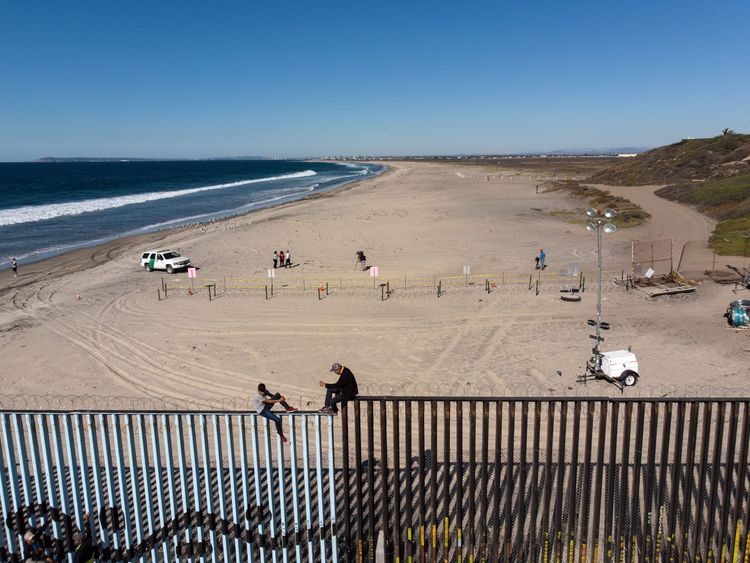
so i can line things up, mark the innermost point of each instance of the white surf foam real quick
(33, 213)
(220, 214)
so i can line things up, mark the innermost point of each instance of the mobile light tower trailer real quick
(619, 367)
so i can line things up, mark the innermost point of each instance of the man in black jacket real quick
(345, 389)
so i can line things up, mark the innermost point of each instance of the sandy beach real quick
(90, 323)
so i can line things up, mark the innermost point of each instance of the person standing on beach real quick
(542, 256)
(14, 267)
(264, 405)
(345, 389)
(281, 258)
(288, 262)
(275, 258)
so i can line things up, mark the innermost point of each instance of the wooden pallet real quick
(658, 289)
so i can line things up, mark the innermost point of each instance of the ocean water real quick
(50, 208)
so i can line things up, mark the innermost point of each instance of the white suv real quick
(168, 260)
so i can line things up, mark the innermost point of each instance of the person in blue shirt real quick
(542, 256)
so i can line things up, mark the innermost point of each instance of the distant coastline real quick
(557, 153)
(126, 159)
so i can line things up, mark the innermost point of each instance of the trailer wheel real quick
(629, 378)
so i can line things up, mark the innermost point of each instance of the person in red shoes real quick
(345, 389)
(264, 402)
(275, 397)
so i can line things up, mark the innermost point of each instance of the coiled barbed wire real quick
(404, 391)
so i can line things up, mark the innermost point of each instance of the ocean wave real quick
(193, 220)
(34, 213)
(216, 215)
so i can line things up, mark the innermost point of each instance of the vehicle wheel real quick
(170, 269)
(629, 378)
(148, 267)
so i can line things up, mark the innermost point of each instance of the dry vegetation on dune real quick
(718, 157)
(628, 213)
(713, 175)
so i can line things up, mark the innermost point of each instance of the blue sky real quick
(206, 79)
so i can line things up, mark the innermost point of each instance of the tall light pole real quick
(599, 222)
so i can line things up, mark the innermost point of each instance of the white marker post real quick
(374, 272)
(271, 275)
(192, 274)
(467, 271)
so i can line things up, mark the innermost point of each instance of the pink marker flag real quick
(374, 271)
(192, 272)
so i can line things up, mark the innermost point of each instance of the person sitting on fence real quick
(274, 397)
(263, 406)
(345, 389)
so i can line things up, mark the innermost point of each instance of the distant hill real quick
(718, 157)
(712, 175)
(609, 151)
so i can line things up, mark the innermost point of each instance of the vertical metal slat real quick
(146, 472)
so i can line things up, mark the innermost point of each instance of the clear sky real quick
(279, 78)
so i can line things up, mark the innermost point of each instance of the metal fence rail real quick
(172, 285)
(442, 478)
